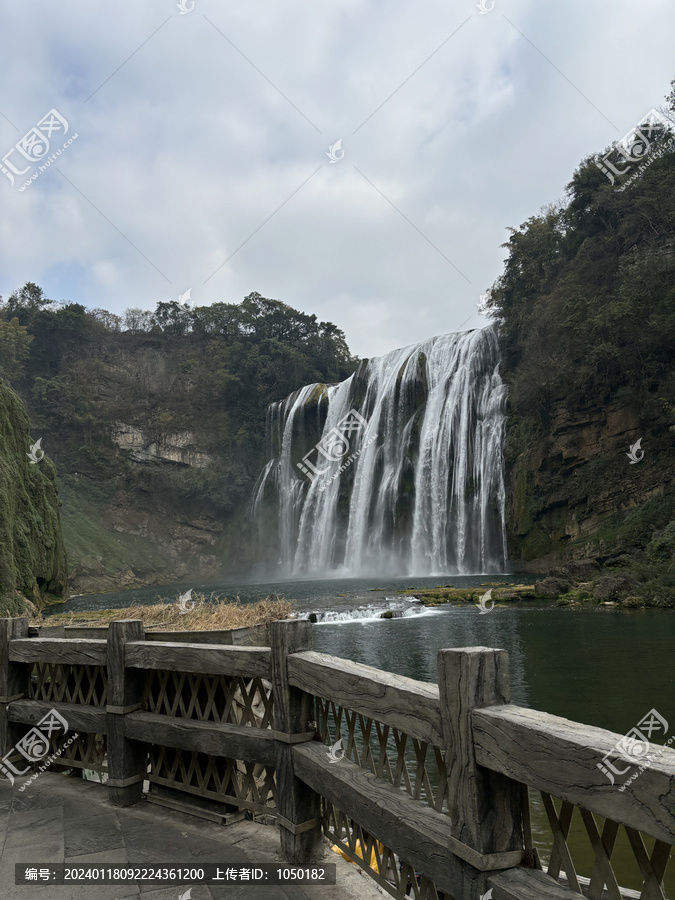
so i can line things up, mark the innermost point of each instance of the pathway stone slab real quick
(97, 833)
(61, 819)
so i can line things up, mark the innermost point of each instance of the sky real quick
(198, 140)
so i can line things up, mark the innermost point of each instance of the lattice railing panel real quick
(379, 861)
(244, 784)
(88, 751)
(594, 855)
(406, 762)
(87, 685)
(210, 698)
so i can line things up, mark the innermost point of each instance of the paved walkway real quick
(66, 820)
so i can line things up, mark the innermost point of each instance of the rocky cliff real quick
(157, 428)
(33, 568)
(129, 515)
(574, 485)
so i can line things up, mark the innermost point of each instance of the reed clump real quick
(196, 613)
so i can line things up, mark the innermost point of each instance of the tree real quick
(172, 318)
(137, 320)
(30, 297)
(14, 348)
(107, 319)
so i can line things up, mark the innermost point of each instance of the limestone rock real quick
(612, 587)
(174, 447)
(551, 587)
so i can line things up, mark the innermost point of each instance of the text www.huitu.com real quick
(48, 762)
(47, 163)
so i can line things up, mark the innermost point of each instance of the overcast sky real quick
(202, 139)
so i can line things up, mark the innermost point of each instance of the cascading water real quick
(397, 470)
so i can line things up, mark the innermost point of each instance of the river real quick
(596, 665)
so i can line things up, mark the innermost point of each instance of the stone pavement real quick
(59, 819)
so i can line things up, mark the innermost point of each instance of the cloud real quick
(203, 147)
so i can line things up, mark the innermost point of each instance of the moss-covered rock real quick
(32, 555)
(437, 596)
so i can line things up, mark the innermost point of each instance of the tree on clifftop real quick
(14, 348)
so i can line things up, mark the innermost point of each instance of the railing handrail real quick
(404, 703)
(244, 635)
(186, 656)
(66, 651)
(560, 757)
(211, 659)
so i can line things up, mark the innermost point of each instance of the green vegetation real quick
(92, 545)
(14, 348)
(500, 593)
(642, 558)
(587, 302)
(586, 308)
(32, 555)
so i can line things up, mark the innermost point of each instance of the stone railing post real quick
(299, 809)
(127, 760)
(485, 807)
(14, 680)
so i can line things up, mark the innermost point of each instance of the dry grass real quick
(206, 615)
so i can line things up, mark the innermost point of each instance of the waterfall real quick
(398, 470)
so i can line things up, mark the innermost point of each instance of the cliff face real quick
(32, 554)
(572, 486)
(157, 430)
(118, 537)
(147, 519)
